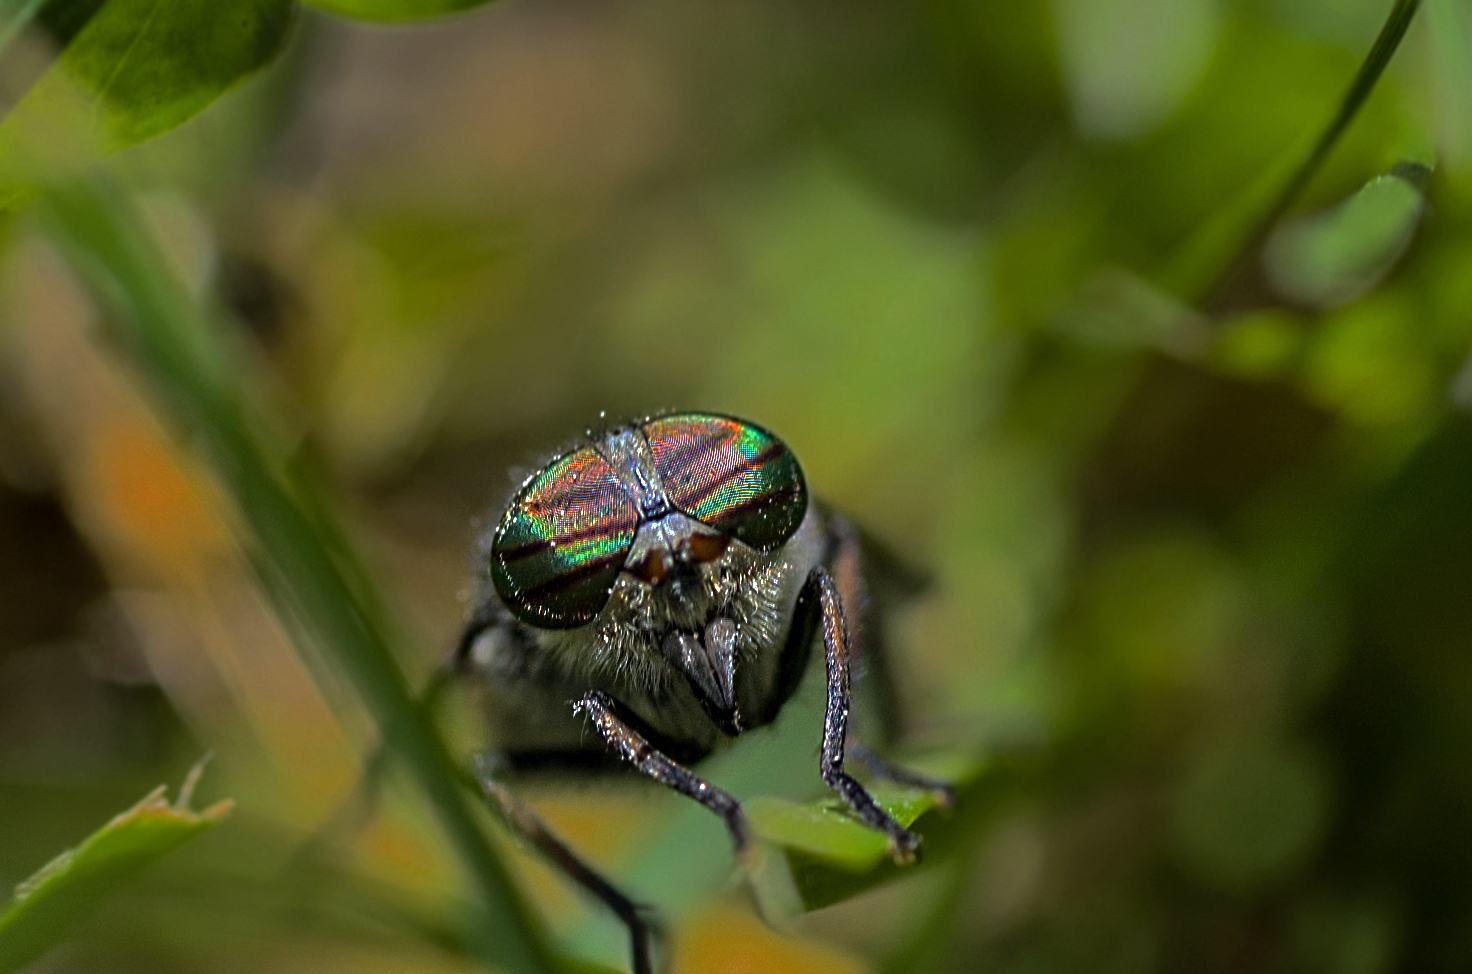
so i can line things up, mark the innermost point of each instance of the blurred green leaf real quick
(72, 886)
(134, 69)
(1352, 934)
(1368, 362)
(1257, 346)
(392, 10)
(1247, 811)
(1450, 23)
(1332, 257)
(1129, 63)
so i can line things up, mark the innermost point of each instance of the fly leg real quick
(652, 763)
(361, 805)
(855, 564)
(521, 818)
(852, 573)
(945, 794)
(904, 845)
(354, 812)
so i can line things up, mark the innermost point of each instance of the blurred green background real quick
(1201, 530)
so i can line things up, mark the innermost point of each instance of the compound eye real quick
(731, 475)
(562, 541)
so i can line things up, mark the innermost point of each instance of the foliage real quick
(830, 857)
(122, 71)
(47, 906)
(393, 10)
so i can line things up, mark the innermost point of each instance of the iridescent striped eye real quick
(562, 542)
(731, 475)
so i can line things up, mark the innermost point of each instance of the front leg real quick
(943, 791)
(654, 764)
(904, 845)
(525, 821)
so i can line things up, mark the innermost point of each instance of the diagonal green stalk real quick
(165, 335)
(1392, 32)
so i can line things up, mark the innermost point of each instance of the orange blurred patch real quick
(402, 852)
(145, 495)
(724, 940)
(601, 823)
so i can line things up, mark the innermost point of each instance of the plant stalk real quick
(1392, 32)
(168, 339)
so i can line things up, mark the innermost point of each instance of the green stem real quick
(169, 340)
(1391, 34)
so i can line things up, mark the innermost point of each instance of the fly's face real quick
(656, 588)
(657, 545)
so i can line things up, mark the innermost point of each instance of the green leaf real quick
(67, 890)
(1331, 257)
(135, 69)
(391, 10)
(830, 855)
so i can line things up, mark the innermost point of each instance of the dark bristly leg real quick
(880, 768)
(526, 822)
(904, 845)
(652, 763)
(850, 566)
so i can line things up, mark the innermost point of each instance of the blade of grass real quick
(71, 887)
(1211, 281)
(169, 340)
(1328, 258)
(1391, 34)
